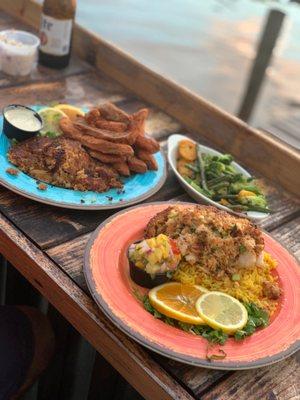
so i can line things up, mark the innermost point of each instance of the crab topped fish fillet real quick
(220, 243)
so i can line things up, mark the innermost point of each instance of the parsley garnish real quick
(14, 141)
(257, 317)
(210, 334)
(242, 248)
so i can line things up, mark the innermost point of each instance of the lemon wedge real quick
(51, 118)
(221, 311)
(71, 111)
(177, 301)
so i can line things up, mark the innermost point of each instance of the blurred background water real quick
(209, 46)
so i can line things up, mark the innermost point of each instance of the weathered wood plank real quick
(278, 382)
(207, 120)
(289, 235)
(158, 124)
(85, 90)
(130, 359)
(70, 224)
(254, 384)
(197, 380)
(285, 207)
(41, 73)
(54, 225)
(26, 10)
(70, 257)
(8, 21)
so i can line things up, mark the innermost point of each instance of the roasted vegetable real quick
(183, 168)
(187, 150)
(216, 178)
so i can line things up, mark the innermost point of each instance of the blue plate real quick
(136, 188)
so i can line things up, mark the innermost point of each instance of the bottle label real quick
(55, 35)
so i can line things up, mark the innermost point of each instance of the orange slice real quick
(177, 301)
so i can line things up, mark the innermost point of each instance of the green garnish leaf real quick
(212, 335)
(242, 248)
(257, 317)
(14, 141)
(235, 277)
(137, 294)
(169, 274)
(51, 134)
(184, 326)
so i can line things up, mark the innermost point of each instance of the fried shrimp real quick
(94, 143)
(146, 143)
(148, 158)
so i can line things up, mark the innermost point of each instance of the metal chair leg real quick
(78, 368)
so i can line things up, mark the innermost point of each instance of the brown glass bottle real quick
(56, 32)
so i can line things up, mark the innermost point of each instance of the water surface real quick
(209, 46)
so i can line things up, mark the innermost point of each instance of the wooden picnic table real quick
(46, 245)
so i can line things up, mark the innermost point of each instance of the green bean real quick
(202, 168)
(259, 209)
(237, 207)
(220, 185)
(240, 207)
(219, 179)
(192, 167)
(200, 189)
(226, 196)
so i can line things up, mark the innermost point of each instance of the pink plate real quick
(107, 274)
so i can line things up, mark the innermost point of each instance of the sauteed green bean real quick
(216, 177)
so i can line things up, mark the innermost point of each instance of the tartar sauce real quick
(23, 118)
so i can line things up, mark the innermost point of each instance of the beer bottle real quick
(56, 32)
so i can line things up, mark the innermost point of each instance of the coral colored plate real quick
(137, 187)
(107, 275)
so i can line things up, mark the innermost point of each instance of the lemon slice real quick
(177, 301)
(51, 118)
(71, 111)
(221, 311)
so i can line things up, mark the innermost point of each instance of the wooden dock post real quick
(264, 52)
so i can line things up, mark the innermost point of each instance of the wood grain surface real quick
(84, 90)
(69, 255)
(273, 159)
(281, 381)
(46, 244)
(126, 356)
(41, 73)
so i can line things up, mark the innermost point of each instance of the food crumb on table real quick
(12, 171)
(42, 186)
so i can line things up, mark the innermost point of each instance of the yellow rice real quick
(249, 288)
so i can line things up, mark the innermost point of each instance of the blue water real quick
(207, 46)
(177, 22)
